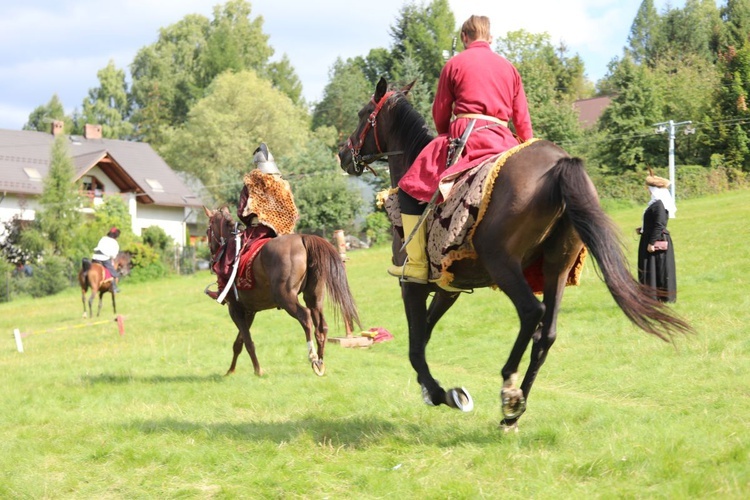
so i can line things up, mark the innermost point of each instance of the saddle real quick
(251, 242)
(450, 227)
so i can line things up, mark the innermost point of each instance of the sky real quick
(57, 46)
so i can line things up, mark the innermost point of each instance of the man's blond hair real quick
(477, 28)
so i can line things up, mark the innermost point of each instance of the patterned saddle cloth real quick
(251, 243)
(450, 227)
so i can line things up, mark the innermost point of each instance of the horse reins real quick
(362, 162)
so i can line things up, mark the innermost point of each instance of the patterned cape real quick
(270, 199)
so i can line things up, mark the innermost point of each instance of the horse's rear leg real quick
(530, 311)
(314, 302)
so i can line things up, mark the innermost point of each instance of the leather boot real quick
(416, 268)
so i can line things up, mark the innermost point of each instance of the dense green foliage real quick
(615, 413)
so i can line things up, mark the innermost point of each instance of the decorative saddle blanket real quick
(251, 243)
(450, 227)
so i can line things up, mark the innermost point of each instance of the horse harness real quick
(362, 162)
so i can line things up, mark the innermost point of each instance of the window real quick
(155, 185)
(33, 173)
(91, 186)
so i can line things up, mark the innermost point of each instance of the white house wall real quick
(168, 218)
(13, 204)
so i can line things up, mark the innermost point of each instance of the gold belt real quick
(484, 117)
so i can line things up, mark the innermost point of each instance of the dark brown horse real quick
(543, 204)
(285, 267)
(93, 275)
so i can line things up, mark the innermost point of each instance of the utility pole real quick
(671, 127)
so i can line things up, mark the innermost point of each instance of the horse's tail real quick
(325, 262)
(85, 264)
(602, 238)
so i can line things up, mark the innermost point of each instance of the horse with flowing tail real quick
(542, 207)
(285, 267)
(94, 276)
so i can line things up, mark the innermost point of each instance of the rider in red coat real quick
(477, 83)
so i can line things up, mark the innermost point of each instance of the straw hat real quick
(655, 180)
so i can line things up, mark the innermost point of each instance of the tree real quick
(59, 216)
(551, 83)
(643, 33)
(284, 78)
(423, 32)
(170, 75)
(344, 95)
(736, 17)
(326, 203)
(629, 118)
(41, 118)
(164, 75)
(234, 42)
(109, 104)
(239, 111)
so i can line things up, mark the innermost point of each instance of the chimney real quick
(57, 127)
(92, 131)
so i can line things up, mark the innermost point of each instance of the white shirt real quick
(106, 249)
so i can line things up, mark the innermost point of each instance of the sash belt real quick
(484, 117)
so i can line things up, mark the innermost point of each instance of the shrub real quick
(51, 276)
(377, 227)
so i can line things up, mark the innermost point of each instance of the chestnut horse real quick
(285, 267)
(93, 275)
(543, 204)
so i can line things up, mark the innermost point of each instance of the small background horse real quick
(542, 205)
(286, 266)
(93, 275)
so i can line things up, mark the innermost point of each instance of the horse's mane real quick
(411, 126)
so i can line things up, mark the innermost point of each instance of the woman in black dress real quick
(656, 266)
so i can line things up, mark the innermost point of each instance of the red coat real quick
(475, 81)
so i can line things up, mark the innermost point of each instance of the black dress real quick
(657, 269)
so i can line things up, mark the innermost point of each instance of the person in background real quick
(656, 263)
(475, 84)
(106, 251)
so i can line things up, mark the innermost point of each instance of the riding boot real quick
(415, 269)
(115, 288)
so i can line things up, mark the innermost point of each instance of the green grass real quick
(615, 413)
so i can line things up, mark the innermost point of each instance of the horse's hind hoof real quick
(319, 367)
(460, 399)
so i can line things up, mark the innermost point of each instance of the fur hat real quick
(655, 180)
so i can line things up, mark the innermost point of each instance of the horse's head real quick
(220, 226)
(124, 263)
(368, 142)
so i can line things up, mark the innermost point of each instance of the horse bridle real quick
(362, 162)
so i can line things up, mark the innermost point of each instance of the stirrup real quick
(448, 288)
(403, 278)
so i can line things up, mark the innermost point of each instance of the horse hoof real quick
(508, 428)
(319, 368)
(513, 403)
(460, 399)
(426, 397)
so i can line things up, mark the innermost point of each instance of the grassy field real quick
(615, 413)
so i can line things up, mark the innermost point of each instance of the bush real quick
(51, 276)
(377, 227)
(147, 263)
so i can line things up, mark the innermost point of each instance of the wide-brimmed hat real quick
(655, 180)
